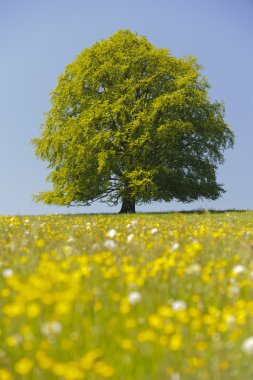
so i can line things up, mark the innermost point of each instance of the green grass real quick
(140, 297)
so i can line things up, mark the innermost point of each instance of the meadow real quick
(140, 297)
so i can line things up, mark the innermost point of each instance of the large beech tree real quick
(130, 123)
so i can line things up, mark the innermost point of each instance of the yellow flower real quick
(201, 346)
(195, 362)
(130, 323)
(62, 308)
(59, 369)
(223, 364)
(147, 336)
(40, 243)
(125, 306)
(5, 374)
(103, 369)
(33, 310)
(13, 340)
(127, 344)
(88, 360)
(165, 311)
(155, 321)
(44, 361)
(13, 310)
(175, 342)
(23, 366)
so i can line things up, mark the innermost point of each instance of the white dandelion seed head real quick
(130, 238)
(238, 269)
(234, 289)
(178, 305)
(109, 244)
(53, 327)
(153, 231)
(194, 269)
(8, 272)
(67, 249)
(111, 233)
(230, 320)
(174, 247)
(134, 297)
(247, 345)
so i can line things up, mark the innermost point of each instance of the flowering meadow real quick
(140, 297)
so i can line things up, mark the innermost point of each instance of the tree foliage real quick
(131, 123)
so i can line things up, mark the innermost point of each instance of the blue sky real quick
(38, 38)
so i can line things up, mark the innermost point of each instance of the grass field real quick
(141, 297)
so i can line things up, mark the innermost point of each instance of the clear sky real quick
(38, 38)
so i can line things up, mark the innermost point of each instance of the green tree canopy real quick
(131, 123)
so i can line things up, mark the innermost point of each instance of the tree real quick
(131, 123)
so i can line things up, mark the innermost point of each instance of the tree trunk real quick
(128, 206)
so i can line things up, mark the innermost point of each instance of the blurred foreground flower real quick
(8, 272)
(53, 327)
(134, 298)
(247, 345)
(111, 233)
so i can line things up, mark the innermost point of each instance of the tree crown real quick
(131, 122)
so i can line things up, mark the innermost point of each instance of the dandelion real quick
(53, 327)
(109, 244)
(67, 249)
(175, 342)
(130, 238)
(234, 289)
(23, 366)
(33, 310)
(5, 374)
(194, 269)
(153, 231)
(14, 340)
(178, 305)
(247, 345)
(147, 336)
(134, 298)
(8, 272)
(103, 369)
(238, 269)
(174, 247)
(111, 233)
(230, 319)
(40, 243)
